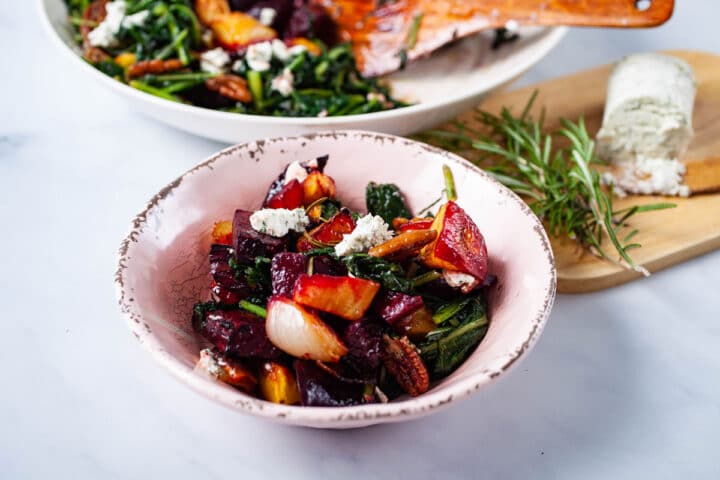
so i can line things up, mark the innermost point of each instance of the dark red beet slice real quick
(285, 269)
(392, 306)
(227, 288)
(319, 388)
(312, 21)
(250, 243)
(278, 184)
(364, 342)
(326, 265)
(238, 334)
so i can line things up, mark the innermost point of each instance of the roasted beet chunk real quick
(319, 388)
(364, 342)
(392, 306)
(238, 334)
(278, 184)
(227, 288)
(250, 243)
(312, 21)
(283, 9)
(285, 269)
(327, 265)
(290, 196)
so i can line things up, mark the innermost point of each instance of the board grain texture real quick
(668, 237)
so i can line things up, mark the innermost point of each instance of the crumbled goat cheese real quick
(375, 96)
(277, 222)
(214, 61)
(460, 280)
(647, 176)
(207, 36)
(280, 50)
(295, 171)
(258, 56)
(267, 16)
(207, 365)
(136, 19)
(283, 83)
(296, 50)
(104, 34)
(369, 231)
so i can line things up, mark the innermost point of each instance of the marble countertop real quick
(624, 384)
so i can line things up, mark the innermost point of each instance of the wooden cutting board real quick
(668, 237)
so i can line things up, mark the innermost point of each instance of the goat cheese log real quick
(648, 110)
(647, 124)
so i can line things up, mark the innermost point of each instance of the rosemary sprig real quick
(559, 184)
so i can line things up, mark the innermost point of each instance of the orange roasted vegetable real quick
(222, 233)
(277, 384)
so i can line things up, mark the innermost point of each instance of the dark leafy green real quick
(445, 348)
(386, 201)
(389, 275)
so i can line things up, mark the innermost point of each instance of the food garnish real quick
(294, 319)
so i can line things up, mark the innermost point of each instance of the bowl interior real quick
(163, 267)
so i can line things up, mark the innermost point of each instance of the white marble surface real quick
(624, 384)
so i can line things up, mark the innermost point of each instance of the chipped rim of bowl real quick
(329, 416)
(554, 36)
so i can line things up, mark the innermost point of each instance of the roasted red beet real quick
(290, 196)
(285, 269)
(227, 288)
(238, 334)
(250, 243)
(319, 388)
(283, 11)
(392, 306)
(364, 341)
(328, 233)
(310, 166)
(327, 265)
(312, 21)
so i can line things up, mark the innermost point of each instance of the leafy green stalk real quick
(252, 308)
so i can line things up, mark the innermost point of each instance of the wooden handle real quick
(588, 13)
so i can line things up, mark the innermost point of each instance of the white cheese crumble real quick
(259, 55)
(277, 222)
(370, 230)
(375, 96)
(283, 83)
(207, 365)
(105, 34)
(214, 61)
(647, 123)
(646, 176)
(267, 16)
(460, 280)
(295, 171)
(280, 50)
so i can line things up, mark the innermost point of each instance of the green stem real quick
(425, 278)
(252, 308)
(144, 87)
(175, 45)
(449, 184)
(255, 83)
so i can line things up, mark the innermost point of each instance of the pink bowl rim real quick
(328, 416)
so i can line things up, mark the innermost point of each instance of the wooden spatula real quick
(387, 33)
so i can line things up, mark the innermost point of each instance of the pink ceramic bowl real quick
(163, 270)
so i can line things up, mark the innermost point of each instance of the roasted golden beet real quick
(235, 29)
(346, 297)
(277, 384)
(316, 186)
(222, 233)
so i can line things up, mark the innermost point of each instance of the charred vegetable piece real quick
(385, 200)
(319, 388)
(392, 306)
(235, 29)
(327, 265)
(226, 370)
(209, 10)
(301, 333)
(222, 233)
(237, 333)
(416, 325)
(402, 360)
(290, 196)
(459, 245)
(329, 233)
(345, 297)
(404, 245)
(416, 224)
(250, 243)
(317, 185)
(364, 342)
(318, 164)
(278, 384)
(228, 289)
(286, 268)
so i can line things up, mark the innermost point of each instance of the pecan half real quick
(153, 67)
(95, 55)
(403, 362)
(230, 86)
(404, 244)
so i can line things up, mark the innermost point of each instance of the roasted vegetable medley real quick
(265, 57)
(319, 305)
